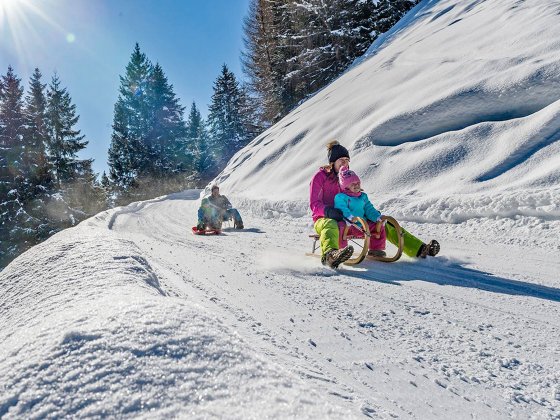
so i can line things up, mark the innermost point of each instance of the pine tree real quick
(38, 188)
(263, 59)
(12, 125)
(323, 39)
(294, 48)
(108, 190)
(251, 113)
(226, 123)
(44, 187)
(64, 140)
(166, 158)
(74, 178)
(198, 142)
(148, 154)
(123, 150)
(37, 138)
(130, 124)
(388, 12)
(13, 220)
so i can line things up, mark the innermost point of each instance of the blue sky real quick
(89, 42)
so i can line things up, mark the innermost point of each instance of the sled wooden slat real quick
(349, 237)
(362, 242)
(390, 220)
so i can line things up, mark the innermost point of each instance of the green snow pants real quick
(411, 243)
(328, 234)
(327, 229)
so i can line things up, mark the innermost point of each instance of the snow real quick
(98, 334)
(451, 120)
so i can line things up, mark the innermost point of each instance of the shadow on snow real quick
(446, 272)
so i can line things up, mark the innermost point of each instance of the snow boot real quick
(200, 227)
(335, 257)
(431, 249)
(377, 253)
(238, 225)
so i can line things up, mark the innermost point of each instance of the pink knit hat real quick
(347, 177)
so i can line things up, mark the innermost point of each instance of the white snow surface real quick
(452, 123)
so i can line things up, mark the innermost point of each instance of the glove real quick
(333, 213)
(378, 226)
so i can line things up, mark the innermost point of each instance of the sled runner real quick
(362, 242)
(207, 231)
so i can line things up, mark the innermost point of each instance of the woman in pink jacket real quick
(323, 188)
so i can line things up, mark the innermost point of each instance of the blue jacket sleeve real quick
(226, 203)
(341, 203)
(371, 212)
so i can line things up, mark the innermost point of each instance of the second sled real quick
(195, 231)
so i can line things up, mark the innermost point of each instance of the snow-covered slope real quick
(457, 104)
(89, 329)
(452, 122)
(129, 315)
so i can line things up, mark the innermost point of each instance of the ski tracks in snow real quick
(413, 339)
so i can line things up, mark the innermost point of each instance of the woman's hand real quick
(334, 213)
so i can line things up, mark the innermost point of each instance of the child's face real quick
(355, 187)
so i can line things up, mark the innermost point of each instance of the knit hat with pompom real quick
(336, 151)
(346, 177)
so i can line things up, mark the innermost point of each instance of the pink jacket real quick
(324, 186)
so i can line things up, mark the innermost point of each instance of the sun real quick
(21, 15)
(26, 25)
(9, 8)
(13, 15)
(12, 21)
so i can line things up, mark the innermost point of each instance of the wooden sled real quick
(361, 242)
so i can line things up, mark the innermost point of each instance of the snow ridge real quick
(88, 329)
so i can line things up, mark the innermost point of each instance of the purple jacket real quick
(324, 186)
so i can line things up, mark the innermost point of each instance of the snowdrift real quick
(89, 330)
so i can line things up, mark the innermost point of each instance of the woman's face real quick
(339, 163)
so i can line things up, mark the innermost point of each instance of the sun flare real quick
(9, 8)
(25, 23)
(13, 23)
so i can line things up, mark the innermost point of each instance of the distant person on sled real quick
(328, 220)
(216, 209)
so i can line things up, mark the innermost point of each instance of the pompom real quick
(331, 143)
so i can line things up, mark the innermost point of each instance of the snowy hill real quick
(452, 123)
(459, 103)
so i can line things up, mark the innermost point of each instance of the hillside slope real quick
(458, 104)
